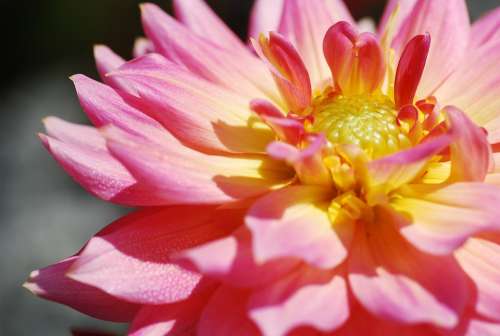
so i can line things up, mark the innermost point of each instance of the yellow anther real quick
(348, 207)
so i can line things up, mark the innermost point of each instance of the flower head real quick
(334, 182)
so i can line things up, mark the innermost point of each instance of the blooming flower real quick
(333, 182)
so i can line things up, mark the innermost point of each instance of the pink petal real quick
(265, 17)
(448, 25)
(470, 150)
(288, 70)
(142, 46)
(404, 8)
(173, 319)
(308, 163)
(131, 258)
(440, 219)
(391, 172)
(287, 129)
(355, 60)
(486, 29)
(480, 100)
(197, 112)
(307, 297)
(479, 258)
(107, 61)
(305, 25)
(178, 174)
(231, 261)
(293, 222)
(52, 284)
(201, 19)
(105, 106)
(396, 282)
(226, 312)
(410, 69)
(92, 166)
(234, 70)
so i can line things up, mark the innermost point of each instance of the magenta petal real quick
(107, 61)
(131, 258)
(306, 297)
(486, 29)
(51, 283)
(293, 222)
(226, 312)
(397, 282)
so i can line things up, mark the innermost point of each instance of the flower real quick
(342, 182)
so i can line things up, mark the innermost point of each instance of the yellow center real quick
(368, 121)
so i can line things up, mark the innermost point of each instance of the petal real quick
(107, 61)
(448, 25)
(105, 106)
(394, 281)
(305, 24)
(470, 150)
(308, 162)
(142, 46)
(403, 8)
(287, 129)
(231, 260)
(52, 284)
(201, 19)
(131, 258)
(307, 297)
(479, 258)
(293, 222)
(265, 17)
(234, 70)
(391, 172)
(486, 29)
(173, 319)
(355, 60)
(288, 70)
(225, 313)
(177, 174)
(480, 100)
(197, 112)
(440, 219)
(410, 69)
(92, 166)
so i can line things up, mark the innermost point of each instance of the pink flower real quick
(340, 183)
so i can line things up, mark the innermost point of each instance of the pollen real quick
(368, 121)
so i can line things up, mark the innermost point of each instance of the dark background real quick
(44, 215)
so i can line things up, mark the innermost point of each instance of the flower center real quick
(367, 120)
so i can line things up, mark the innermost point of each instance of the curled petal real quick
(51, 283)
(391, 172)
(440, 219)
(448, 24)
(395, 281)
(307, 297)
(287, 129)
(356, 60)
(410, 69)
(305, 23)
(288, 70)
(470, 150)
(293, 222)
(308, 163)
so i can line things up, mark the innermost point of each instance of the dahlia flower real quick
(320, 180)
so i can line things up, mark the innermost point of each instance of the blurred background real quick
(45, 216)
